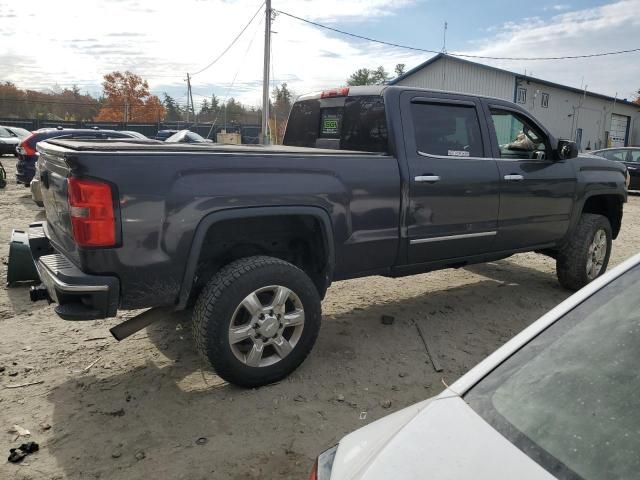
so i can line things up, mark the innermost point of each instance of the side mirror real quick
(566, 150)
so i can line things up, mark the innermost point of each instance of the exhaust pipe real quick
(137, 323)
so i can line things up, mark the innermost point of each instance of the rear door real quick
(536, 191)
(454, 183)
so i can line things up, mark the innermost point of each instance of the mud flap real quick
(21, 267)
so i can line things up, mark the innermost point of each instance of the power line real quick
(486, 57)
(232, 42)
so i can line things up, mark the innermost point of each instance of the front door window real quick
(516, 137)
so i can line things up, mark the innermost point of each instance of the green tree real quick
(399, 69)
(205, 110)
(174, 112)
(282, 100)
(215, 103)
(365, 76)
(362, 76)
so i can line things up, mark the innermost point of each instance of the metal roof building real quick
(593, 120)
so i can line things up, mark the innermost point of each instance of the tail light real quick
(91, 209)
(335, 92)
(27, 147)
(324, 465)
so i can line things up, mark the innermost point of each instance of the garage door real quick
(618, 131)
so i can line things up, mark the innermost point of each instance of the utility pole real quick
(188, 94)
(265, 78)
(193, 108)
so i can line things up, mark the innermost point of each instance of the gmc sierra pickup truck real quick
(386, 181)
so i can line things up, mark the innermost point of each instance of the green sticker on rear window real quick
(330, 125)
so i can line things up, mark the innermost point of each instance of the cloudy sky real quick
(45, 43)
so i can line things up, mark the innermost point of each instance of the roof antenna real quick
(444, 39)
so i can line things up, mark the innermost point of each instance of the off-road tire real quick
(571, 263)
(217, 302)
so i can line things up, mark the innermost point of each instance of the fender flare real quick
(252, 212)
(588, 194)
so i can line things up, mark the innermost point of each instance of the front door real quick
(537, 191)
(454, 183)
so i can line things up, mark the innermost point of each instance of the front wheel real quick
(586, 256)
(257, 320)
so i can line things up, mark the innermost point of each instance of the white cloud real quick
(69, 42)
(611, 27)
(560, 7)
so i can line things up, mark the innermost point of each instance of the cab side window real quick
(516, 137)
(446, 130)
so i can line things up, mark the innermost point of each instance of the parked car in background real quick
(27, 155)
(558, 401)
(10, 137)
(164, 134)
(630, 156)
(135, 134)
(187, 136)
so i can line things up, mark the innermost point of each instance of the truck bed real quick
(118, 145)
(163, 193)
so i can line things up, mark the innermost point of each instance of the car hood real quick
(440, 439)
(10, 140)
(587, 161)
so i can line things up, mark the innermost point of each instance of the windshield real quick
(185, 136)
(19, 132)
(344, 123)
(570, 398)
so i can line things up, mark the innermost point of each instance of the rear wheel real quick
(586, 256)
(257, 320)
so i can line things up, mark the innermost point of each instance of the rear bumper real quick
(25, 168)
(79, 296)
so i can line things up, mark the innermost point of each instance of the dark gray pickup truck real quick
(386, 181)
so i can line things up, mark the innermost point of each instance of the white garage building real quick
(594, 121)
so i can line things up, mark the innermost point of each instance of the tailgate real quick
(53, 171)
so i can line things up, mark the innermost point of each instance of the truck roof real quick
(353, 92)
(379, 89)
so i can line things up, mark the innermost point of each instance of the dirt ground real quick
(150, 407)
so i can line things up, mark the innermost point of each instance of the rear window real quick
(447, 130)
(349, 123)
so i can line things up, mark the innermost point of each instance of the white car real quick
(561, 400)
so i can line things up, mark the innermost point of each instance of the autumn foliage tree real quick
(127, 99)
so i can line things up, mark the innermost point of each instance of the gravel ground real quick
(150, 407)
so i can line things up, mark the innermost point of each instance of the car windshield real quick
(20, 132)
(570, 398)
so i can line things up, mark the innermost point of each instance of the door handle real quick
(427, 178)
(514, 178)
